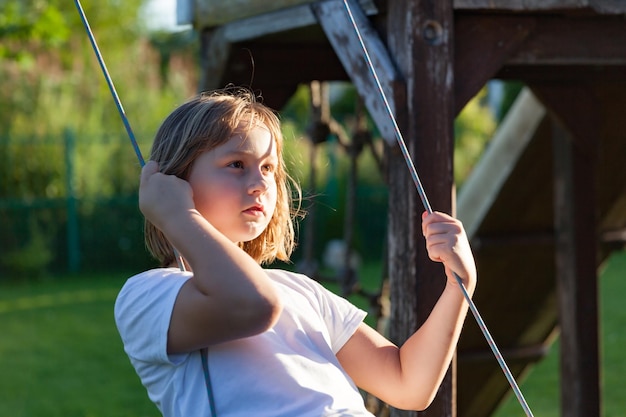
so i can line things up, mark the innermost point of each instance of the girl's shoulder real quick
(157, 275)
(143, 311)
(292, 279)
(153, 278)
(153, 284)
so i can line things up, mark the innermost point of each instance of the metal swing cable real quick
(203, 352)
(118, 102)
(116, 98)
(427, 207)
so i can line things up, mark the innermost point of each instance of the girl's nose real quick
(259, 183)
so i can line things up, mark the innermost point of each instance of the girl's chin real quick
(248, 237)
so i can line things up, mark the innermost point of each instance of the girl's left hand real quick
(447, 242)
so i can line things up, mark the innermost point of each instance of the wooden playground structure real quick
(545, 207)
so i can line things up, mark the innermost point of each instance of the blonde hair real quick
(203, 123)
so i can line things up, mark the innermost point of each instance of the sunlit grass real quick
(61, 354)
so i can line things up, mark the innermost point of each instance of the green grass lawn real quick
(60, 354)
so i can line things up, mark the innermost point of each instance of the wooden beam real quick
(561, 73)
(538, 48)
(333, 18)
(214, 13)
(420, 37)
(211, 13)
(574, 41)
(270, 23)
(599, 6)
(483, 44)
(590, 48)
(535, 47)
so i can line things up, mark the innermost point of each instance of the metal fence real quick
(70, 232)
(51, 222)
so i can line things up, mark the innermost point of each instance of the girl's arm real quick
(229, 295)
(408, 377)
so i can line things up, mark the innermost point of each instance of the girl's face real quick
(234, 184)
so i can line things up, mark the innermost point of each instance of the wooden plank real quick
(211, 13)
(339, 30)
(270, 23)
(420, 37)
(278, 21)
(599, 6)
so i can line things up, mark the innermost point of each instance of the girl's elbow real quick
(426, 402)
(262, 315)
(269, 313)
(412, 405)
(414, 402)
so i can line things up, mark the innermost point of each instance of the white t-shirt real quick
(290, 370)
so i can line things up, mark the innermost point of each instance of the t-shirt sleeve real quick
(342, 318)
(143, 310)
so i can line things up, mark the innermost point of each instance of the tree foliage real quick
(51, 74)
(53, 82)
(473, 129)
(56, 109)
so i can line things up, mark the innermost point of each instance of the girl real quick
(279, 344)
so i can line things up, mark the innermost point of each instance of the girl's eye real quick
(268, 168)
(236, 164)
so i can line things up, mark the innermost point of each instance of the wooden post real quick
(577, 280)
(420, 39)
(576, 107)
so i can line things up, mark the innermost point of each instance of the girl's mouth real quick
(254, 210)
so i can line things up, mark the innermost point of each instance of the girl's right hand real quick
(161, 196)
